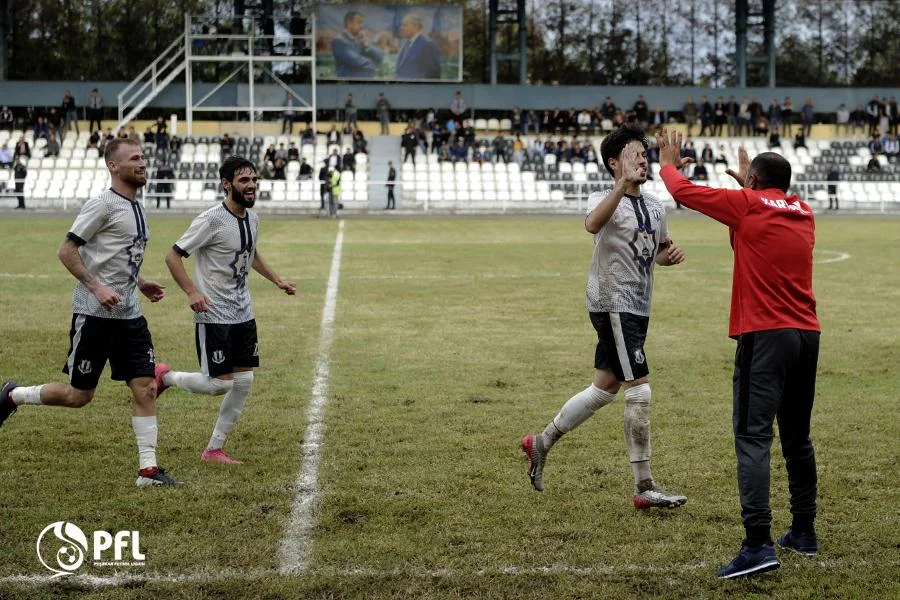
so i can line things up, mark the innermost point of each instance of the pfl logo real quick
(65, 550)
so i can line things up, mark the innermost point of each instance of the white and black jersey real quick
(621, 275)
(225, 245)
(112, 233)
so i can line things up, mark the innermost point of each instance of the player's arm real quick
(262, 267)
(726, 206)
(602, 213)
(197, 300)
(71, 258)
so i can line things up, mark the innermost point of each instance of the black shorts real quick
(620, 344)
(221, 348)
(125, 343)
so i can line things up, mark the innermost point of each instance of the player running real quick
(104, 251)
(225, 240)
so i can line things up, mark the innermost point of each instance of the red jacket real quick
(772, 236)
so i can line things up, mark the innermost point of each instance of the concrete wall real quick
(417, 96)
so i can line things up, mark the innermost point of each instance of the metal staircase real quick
(151, 81)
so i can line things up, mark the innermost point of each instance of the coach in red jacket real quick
(773, 319)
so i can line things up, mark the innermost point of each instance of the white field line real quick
(295, 547)
(350, 572)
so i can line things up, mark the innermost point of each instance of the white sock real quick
(26, 395)
(197, 383)
(574, 412)
(637, 431)
(146, 432)
(232, 405)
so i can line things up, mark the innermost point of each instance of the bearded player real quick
(225, 240)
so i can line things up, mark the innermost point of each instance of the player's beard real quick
(239, 197)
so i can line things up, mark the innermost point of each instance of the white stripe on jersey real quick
(621, 349)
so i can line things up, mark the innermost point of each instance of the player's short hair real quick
(772, 171)
(350, 16)
(613, 144)
(112, 147)
(232, 165)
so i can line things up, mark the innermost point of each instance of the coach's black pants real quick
(775, 377)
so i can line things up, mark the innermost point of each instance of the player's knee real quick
(637, 402)
(598, 398)
(243, 380)
(217, 387)
(77, 398)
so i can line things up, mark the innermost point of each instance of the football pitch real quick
(380, 439)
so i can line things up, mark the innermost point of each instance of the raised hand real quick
(743, 167)
(670, 149)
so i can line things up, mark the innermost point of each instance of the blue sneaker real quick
(750, 561)
(802, 542)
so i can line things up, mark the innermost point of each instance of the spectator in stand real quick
(70, 112)
(884, 121)
(324, 179)
(162, 132)
(350, 113)
(41, 130)
(334, 160)
(657, 118)
(700, 173)
(444, 152)
(515, 120)
(293, 154)
(305, 170)
(348, 163)
(756, 111)
(706, 116)
(149, 137)
(608, 110)
(873, 110)
(175, 145)
(720, 116)
(874, 166)
(518, 150)
(774, 138)
(55, 122)
(807, 113)
(774, 114)
(6, 157)
(458, 108)
(281, 152)
(501, 148)
(706, 155)
(721, 159)
(858, 120)
(308, 137)
(409, 142)
(875, 146)
(537, 149)
(383, 110)
(391, 179)
(842, 121)
(583, 121)
(52, 147)
(359, 142)
(279, 173)
(891, 145)
(787, 115)
(94, 140)
(690, 114)
(641, 111)
(894, 114)
(833, 175)
(29, 119)
(22, 149)
(459, 152)
(478, 155)
(333, 136)
(800, 139)
(532, 122)
(95, 110)
(164, 188)
(7, 119)
(289, 114)
(762, 125)
(269, 155)
(745, 122)
(732, 108)
(227, 145)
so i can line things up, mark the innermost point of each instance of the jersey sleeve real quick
(92, 217)
(199, 234)
(725, 206)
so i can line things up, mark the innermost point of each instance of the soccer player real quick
(773, 319)
(104, 251)
(630, 235)
(225, 239)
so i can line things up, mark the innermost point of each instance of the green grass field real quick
(452, 338)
